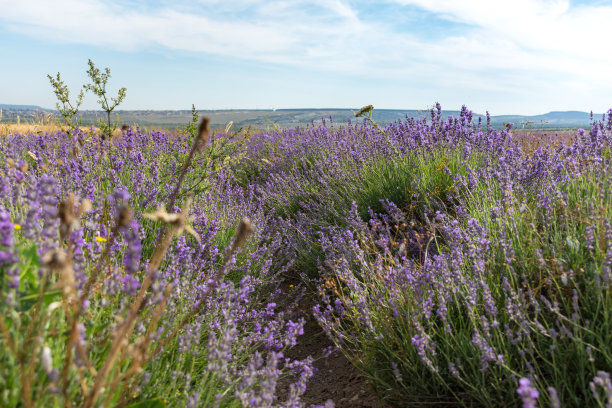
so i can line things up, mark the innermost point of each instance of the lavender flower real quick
(7, 253)
(528, 394)
(602, 381)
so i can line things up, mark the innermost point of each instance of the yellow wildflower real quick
(17, 227)
(100, 239)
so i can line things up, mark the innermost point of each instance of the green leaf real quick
(150, 403)
(29, 268)
(29, 299)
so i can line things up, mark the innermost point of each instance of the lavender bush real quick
(451, 254)
(509, 280)
(107, 299)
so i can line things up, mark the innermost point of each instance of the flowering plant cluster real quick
(495, 281)
(119, 286)
(454, 264)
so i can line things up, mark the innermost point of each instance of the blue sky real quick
(518, 56)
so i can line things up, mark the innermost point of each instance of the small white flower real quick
(46, 360)
(564, 279)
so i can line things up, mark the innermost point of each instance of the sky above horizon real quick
(507, 57)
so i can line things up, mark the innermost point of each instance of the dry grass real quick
(530, 140)
(26, 128)
(42, 128)
(43, 123)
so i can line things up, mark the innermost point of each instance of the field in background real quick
(528, 138)
(289, 118)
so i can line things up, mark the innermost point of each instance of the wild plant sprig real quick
(366, 112)
(97, 86)
(68, 110)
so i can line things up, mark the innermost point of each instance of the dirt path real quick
(335, 378)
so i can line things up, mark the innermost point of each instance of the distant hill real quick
(557, 119)
(263, 118)
(21, 107)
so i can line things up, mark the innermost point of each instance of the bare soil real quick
(335, 378)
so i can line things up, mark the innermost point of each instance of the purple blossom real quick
(528, 394)
(7, 252)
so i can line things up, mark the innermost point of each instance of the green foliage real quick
(68, 110)
(417, 183)
(97, 86)
(552, 256)
(151, 403)
(191, 129)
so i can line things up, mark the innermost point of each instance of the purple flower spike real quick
(529, 395)
(7, 254)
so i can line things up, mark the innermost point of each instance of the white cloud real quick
(538, 31)
(512, 46)
(517, 33)
(276, 33)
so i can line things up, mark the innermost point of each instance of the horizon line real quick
(37, 107)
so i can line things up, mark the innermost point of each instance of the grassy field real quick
(451, 263)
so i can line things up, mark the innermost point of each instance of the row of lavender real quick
(107, 299)
(455, 263)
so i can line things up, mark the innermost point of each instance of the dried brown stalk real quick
(140, 357)
(201, 140)
(23, 356)
(176, 223)
(6, 334)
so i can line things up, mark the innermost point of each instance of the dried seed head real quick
(54, 259)
(203, 131)
(131, 350)
(57, 260)
(125, 216)
(84, 207)
(53, 306)
(70, 215)
(244, 230)
(67, 216)
(229, 126)
(32, 155)
(162, 215)
(180, 222)
(364, 110)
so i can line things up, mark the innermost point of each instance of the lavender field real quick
(451, 263)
